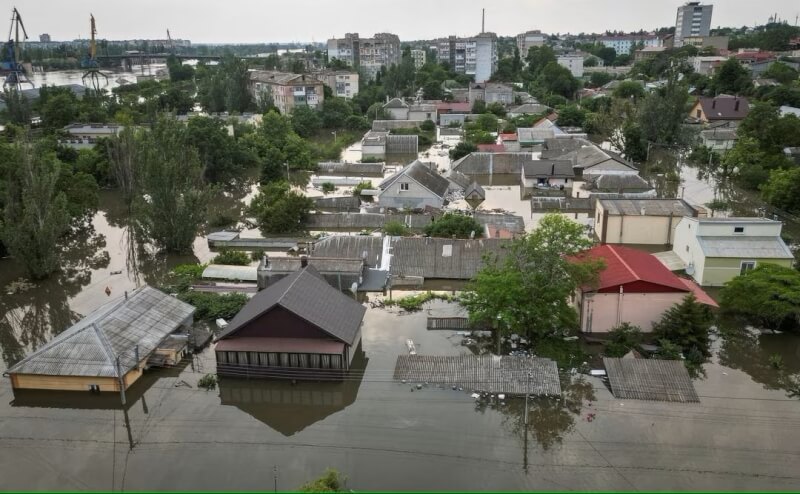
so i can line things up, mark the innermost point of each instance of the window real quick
(738, 229)
(687, 248)
(699, 113)
(404, 186)
(747, 266)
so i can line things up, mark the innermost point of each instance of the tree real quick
(456, 225)
(527, 291)
(462, 149)
(766, 297)
(395, 229)
(635, 148)
(558, 80)
(122, 153)
(432, 90)
(427, 126)
(661, 113)
(571, 116)
(334, 113)
(35, 209)
(216, 149)
(598, 79)
(178, 71)
(686, 324)
(18, 107)
(306, 121)
(629, 89)
(278, 209)
(782, 190)
(170, 197)
(496, 108)
(478, 107)
(486, 122)
(622, 339)
(731, 78)
(781, 73)
(59, 111)
(330, 481)
(538, 57)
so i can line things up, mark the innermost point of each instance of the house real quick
(86, 135)
(706, 65)
(633, 287)
(628, 186)
(715, 250)
(424, 111)
(377, 144)
(503, 225)
(109, 349)
(285, 90)
(546, 174)
(591, 160)
(491, 92)
(298, 327)
(541, 131)
(414, 187)
(640, 221)
(341, 273)
(572, 62)
(719, 138)
(625, 44)
(397, 109)
(720, 108)
(491, 148)
(648, 52)
(510, 141)
(528, 109)
(415, 259)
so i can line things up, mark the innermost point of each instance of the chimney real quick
(265, 261)
(552, 169)
(713, 103)
(483, 20)
(736, 105)
(303, 261)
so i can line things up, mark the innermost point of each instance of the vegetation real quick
(360, 187)
(232, 257)
(413, 303)
(527, 291)
(278, 209)
(766, 297)
(622, 339)
(687, 325)
(328, 187)
(330, 481)
(454, 225)
(395, 229)
(212, 306)
(207, 382)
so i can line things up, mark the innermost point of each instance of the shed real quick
(640, 220)
(650, 379)
(109, 348)
(300, 327)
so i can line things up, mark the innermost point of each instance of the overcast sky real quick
(254, 21)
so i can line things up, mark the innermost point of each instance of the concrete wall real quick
(397, 113)
(415, 197)
(422, 115)
(374, 151)
(634, 229)
(601, 312)
(552, 182)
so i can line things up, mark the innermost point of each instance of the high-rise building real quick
(528, 40)
(476, 56)
(419, 58)
(44, 38)
(369, 54)
(694, 19)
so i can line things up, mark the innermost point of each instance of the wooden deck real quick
(486, 373)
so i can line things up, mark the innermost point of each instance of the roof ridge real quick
(106, 345)
(627, 266)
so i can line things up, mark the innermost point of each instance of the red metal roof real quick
(508, 137)
(640, 271)
(491, 148)
(699, 293)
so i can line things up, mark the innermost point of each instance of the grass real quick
(415, 302)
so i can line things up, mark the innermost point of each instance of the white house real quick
(547, 173)
(414, 187)
(715, 250)
(397, 109)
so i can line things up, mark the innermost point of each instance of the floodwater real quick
(115, 76)
(382, 435)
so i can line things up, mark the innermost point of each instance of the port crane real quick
(10, 65)
(89, 62)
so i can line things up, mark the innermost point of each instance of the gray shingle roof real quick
(91, 346)
(442, 258)
(355, 247)
(616, 183)
(422, 174)
(745, 247)
(396, 103)
(548, 168)
(530, 109)
(306, 294)
(650, 379)
(497, 163)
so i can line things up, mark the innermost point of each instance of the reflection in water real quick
(289, 408)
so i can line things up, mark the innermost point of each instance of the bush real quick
(257, 255)
(415, 302)
(395, 229)
(207, 382)
(623, 339)
(328, 187)
(766, 297)
(454, 224)
(361, 186)
(232, 257)
(182, 276)
(428, 126)
(212, 306)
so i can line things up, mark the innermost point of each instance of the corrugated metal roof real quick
(647, 207)
(427, 257)
(625, 265)
(346, 203)
(650, 379)
(91, 346)
(228, 272)
(495, 163)
(339, 167)
(488, 373)
(745, 247)
(306, 294)
(324, 265)
(354, 247)
(514, 223)
(548, 168)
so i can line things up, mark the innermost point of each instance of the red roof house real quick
(634, 287)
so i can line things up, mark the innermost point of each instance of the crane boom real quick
(92, 44)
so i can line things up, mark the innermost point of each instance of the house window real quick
(738, 230)
(404, 186)
(747, 266)
(699, 113)
(94, 388)
(687, 248)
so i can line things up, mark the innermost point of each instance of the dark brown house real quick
(300, 327)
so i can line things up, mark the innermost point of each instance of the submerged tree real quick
(330, 481)
(278, 209)
(122, 157)
(170, 202)
(36, 211)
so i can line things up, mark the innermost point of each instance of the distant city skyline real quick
(260, 21)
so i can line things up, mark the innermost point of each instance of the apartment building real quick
(573, 62)
(286, 91)
(528, 40)
(693, 19)
(368, 54)
(343, 83)
(475, 56)
(419, 58)
(625, 44)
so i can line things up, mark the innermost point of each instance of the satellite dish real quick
(690, 269)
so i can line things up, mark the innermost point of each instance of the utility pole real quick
(527, 392)
(121, 383)
(275, 477)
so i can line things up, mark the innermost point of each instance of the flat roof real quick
(647, 207)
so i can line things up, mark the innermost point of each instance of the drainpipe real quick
(669, 231)
(621, 224)
(619, 305)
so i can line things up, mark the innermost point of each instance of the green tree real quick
(686, 324)
(622, 339)
(538, 57)
(232, 257)
(18, 107)
(558, 80)
(766, 297)
(635, 148)
(782, 190)
(732, 78)
(335, 112)
(306, 121)
(478, 107)
(216, 149)
(395, 229)
(171, 198)
(35, 209)
(278, 209)
(59, 111)
(598, 79)
(781, 73)
(528, 290)
(462, 149)
(571, 116)
(178, 71)
(629, 89)
(496, 108)
(661, 113)
(330, 481)
(456, 225)
(486, 122)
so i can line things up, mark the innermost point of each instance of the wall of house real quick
(551, 181)
(422, 115)
(718, 144)
(416, 197)
(446, 118)
(398, 113)
(634, 229)
(685, 245)
(697, 112)
(726, 229)
(719, 270)
(601, 312)
(72, 383)
(505, 97)
(373, 150)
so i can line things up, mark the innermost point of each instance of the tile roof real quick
(306, 294)
(91, 346)
(745, 247)
(423, 175)
(625, 265)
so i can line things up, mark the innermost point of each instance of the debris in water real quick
(501, 396)
(116, 272)
(476, 395)
(403, 381)
(419, 386)
(454, 388)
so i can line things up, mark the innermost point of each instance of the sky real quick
(266, 21)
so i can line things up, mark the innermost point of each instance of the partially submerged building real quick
(640, 221)
(341, 273)
(416, 186)
(300, 327)
(109, 349)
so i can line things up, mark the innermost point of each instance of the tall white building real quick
(528, 40)
(475, 56)
(693, 19)
(573, 62)
(623, 45)
(369, 54)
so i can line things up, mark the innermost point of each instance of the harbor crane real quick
(10, 66)
(89, 62)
